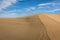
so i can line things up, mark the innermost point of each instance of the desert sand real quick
(37, 27)
(52, 24)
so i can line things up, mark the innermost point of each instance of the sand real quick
(37, 27)
(52, 24)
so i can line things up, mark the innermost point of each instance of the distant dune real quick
(37, 27)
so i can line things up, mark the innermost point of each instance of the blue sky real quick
(21, 8)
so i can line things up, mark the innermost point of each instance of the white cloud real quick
(52, 6)
(6, 3)
(8, 15)
(54, 10)
(47, 4)
(27, 9)
(30, 9)
(44, 4)
(15, 10)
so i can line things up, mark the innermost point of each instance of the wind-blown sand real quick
(38, 27)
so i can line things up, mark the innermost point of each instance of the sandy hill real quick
(52, 24)
(38, 27)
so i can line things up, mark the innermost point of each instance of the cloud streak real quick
(54, 10)
(8, 15)
(6, 3)
(44, 4)
(54, 4)
(51, 6)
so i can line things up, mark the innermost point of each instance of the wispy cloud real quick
(54, 10)
(30, 9)
(8, 15)
(49, 4)
(6, 3)
(50, 7)
(44, 4)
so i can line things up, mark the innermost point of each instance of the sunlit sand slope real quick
(29, 28)
(52, 24)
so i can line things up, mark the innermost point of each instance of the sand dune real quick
(29, 28)
(52, 24)
(38, 27)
